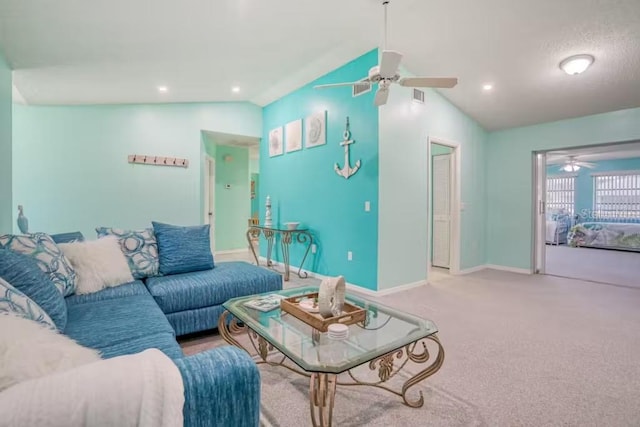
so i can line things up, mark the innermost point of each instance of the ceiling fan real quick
(573, 165)
(386, 73)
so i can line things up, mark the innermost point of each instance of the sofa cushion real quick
(24, 274)
(183, 249)
(116, 321)
(139, 247)
(99, 264)
(14, 302)
(127, 290)
(73, 236)
(228, 280)
(50, 258)
(165, 342)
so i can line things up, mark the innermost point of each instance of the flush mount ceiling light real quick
(163, 89)
(576, 64)
(487, 87)
(235, 89)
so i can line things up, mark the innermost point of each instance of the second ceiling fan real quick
(386, 73)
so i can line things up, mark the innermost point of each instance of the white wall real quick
(403, 226)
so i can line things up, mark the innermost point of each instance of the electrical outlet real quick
(349, 256)
(314, 248)
(367, 206)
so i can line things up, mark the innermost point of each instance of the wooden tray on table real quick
(351, 314)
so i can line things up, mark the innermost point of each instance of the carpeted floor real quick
(520, 351)
(599, 265)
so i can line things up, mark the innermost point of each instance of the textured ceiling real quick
(591, 154)
(119, 51)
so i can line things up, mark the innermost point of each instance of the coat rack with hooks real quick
(158, 160)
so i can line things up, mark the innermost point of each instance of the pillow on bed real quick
(32, 350)
(98, 263)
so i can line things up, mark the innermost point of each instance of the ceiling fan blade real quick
(382, 95)
(362, 82)
(586, 164)
(389, 63)
(435, 82)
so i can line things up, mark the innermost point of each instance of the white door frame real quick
(454, 246)
(209, 197)
(539, 229)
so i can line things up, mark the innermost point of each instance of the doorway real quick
(444, 206)
(210, 198)
(588, 213)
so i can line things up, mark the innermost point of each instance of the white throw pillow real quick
(29, 349)
(98, 263)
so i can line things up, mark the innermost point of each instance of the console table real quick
(287, 236)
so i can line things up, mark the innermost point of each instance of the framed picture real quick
(275, 142)
(293, 135)
(315, 126)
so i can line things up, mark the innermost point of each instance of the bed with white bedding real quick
(608, 235)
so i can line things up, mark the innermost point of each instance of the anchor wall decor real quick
(347, 171)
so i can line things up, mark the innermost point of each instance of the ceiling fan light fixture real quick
(570, 167)
(576, 64)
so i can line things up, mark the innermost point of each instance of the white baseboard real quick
(232, 251)
(401, 288)
(509, 269)
(350, 286)
(471, 270)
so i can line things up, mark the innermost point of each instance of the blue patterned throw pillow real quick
(12, 301)
(50, 258)
(24, 274)
(183, 249)
(139, 247)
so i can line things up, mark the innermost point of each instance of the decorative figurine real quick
(346, 171)
(23, 222)
(331, 296)
(267, 213)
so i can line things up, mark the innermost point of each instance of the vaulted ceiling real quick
(120, 51)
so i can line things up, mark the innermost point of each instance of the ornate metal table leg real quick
(229, 329)
(322, 393)
(285, 241)
(269, 235)
(250, 233)
(421, 357)
(304, 237)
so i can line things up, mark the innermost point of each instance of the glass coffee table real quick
(388, 341)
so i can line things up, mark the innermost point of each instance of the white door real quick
(210, 200)
(539, 214)
(441, 187)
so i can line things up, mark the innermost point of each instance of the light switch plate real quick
(367, 206)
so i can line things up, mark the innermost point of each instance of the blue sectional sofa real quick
(222, 385)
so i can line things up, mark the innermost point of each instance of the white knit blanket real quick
(143, 389)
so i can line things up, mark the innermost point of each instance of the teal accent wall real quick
(304, 186)
(232, 204)
(70, 165)
(584, 190)
(405, 127)
(509, 175)
(6, 198)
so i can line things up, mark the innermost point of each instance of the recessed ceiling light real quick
(487, 86)
(235, 89)
(163, 89)
(576, 64)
